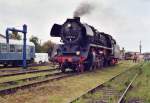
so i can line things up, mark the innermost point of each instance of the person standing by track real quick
(134, 58)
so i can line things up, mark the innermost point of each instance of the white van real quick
(41, 58)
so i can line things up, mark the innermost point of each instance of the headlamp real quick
(78, 53)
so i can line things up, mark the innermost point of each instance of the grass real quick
(121, 82)
(20, 83)
(36, 67)
(66, 89)
(22, 76)
(19, 69)
(42, 67)
(118, 84)
(141, 86)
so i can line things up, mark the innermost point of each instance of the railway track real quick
(51, 77)
(30, 68)
(121, 99)
(18, 71)
(93, 90)
(14, 82)
(29, 65)
(25, 72)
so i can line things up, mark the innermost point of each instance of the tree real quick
(47, 47)
(35, 40)
(15, 35)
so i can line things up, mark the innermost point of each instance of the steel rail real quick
(25, 72)
(29, 65)
(13, 89)
(30, 78)
(126, 90)
(93, 89)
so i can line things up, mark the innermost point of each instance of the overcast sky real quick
(128, 21)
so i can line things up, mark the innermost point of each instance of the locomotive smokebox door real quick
(56, 30)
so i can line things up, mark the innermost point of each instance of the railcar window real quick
(19, 48)
(3, 48)
(12, 48)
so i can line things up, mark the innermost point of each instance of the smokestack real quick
(77, 19)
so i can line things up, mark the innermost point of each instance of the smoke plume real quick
(83, 9)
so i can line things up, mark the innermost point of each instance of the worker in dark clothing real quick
(134, 58)
(101, 59)
(94, 59)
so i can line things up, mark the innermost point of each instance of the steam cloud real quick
(83, 9)
(116, 20)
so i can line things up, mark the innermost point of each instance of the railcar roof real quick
(16, 42)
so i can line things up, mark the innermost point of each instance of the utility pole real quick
(140, 47)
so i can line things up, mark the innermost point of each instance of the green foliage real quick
(121, 82)
(35, 40)
(141, 88)
(47, 46)
(117, 84)
(15, 35)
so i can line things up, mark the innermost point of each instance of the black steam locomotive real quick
(83, 48)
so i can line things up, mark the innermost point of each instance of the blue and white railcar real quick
(12, 53)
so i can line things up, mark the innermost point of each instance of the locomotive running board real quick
(100, 46)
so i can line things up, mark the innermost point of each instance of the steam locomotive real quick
(84, 47)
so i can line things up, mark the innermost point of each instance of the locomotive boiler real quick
(84, 47)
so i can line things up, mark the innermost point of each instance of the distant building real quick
(2, 36)
(146, 56)
(130, 55)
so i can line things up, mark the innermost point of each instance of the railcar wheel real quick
(14, 64)
(63, 68)
(74, 69)
(32, 60)
(5, 65)
(40, 62)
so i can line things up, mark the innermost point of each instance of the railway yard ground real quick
(109, 82)
(140, 91)
(34, 67)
